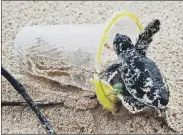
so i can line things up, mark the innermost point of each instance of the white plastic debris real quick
(67, 53)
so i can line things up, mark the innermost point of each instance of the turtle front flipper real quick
(145, 38)
(131, 104)
(111, 73)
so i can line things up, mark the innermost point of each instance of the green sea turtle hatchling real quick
(141, 76)
(112, 74)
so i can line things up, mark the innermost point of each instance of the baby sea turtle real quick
(142, 84)
(141, 76)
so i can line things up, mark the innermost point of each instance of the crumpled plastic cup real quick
(67, 53)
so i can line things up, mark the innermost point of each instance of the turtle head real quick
(121, 43)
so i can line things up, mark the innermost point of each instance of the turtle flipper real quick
(131, 104)
(145, 38)
(112, 67)
(111, 73)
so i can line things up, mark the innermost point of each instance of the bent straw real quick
(21, 90)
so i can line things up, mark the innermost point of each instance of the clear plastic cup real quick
(67, 53)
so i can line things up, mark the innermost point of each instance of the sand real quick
(72, 112)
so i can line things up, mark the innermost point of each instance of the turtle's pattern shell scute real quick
(143, 80)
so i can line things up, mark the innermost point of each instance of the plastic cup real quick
(71, 50)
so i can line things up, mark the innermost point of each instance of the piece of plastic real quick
(62, 53)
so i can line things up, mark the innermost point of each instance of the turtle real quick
(134, 103)
(141, 76)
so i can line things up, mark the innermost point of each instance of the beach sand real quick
(72, 113)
